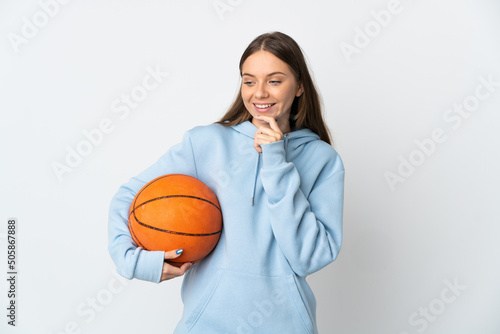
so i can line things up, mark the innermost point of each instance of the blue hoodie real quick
(282, 220)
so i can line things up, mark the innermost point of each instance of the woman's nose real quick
(261, 91)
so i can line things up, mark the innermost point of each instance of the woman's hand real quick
(170, 271)
(267, 134)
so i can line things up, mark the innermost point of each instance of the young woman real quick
(280, 185)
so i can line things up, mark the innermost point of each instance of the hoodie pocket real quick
(245, 304)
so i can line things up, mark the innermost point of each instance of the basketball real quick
(176, 211)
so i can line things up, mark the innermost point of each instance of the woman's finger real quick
(259, 140)
(170, 271)
(264, 133)
(273, 123)
(265, 136)
(185, 267)
(173, 254)
(257, 147)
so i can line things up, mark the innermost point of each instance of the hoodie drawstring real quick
(255, 177)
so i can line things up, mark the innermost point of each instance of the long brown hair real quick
(306, 111)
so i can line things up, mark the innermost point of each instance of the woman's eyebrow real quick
(269, 75)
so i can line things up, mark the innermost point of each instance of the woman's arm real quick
(132, 261)
(308, 230)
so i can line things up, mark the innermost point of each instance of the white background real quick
(402, 245)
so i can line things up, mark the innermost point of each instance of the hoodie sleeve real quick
(132, 261)
(308, 229)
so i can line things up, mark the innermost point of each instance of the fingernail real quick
(178, 251)
(257, 116)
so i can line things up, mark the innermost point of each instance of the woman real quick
(280, 185)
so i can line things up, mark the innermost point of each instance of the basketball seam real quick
(135, 237)
(171, 196)
(150, 183)
(169, 231)
(178, 233)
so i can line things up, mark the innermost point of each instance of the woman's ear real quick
(300, 90)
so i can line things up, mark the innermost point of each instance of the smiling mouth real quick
(264, 107)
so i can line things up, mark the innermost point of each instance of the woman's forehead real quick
(264, 63)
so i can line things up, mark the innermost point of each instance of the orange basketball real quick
(176, 211)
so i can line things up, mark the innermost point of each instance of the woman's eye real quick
(274, 82)
(248, 83)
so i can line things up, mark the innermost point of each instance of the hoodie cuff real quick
(273, 154)
(149, 266)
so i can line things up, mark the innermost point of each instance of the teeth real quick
(263, 106)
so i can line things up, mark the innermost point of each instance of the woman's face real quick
(268, 88)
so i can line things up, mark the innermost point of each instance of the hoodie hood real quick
(292, 141)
